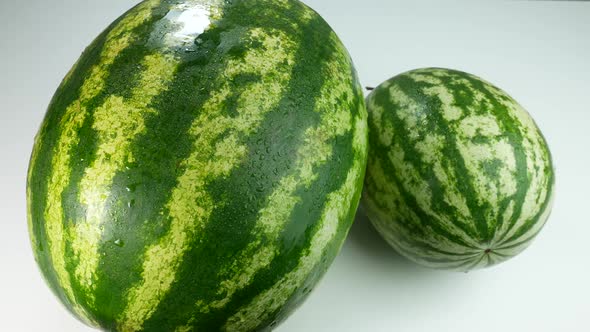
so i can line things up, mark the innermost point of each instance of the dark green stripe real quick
(532, 221)
(140, 191)
(331, 249)
(41, 170)
(122, 77)
(253, 181)
(523, 241)
(425, 248)
(536, 219)
(455, 165)
(381, 96)
(511, 130)
(463, 96)
(449, 263)
(369, 185)
(296, 239)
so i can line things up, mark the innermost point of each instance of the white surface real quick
(537, 51)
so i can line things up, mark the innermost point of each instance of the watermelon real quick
(459, 176)
(199, 167)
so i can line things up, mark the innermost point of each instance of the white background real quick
(537, 51)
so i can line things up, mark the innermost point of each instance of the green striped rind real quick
(459, 176)
(198, 180)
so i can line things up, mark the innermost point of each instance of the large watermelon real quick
(459, 176)
(199, 167)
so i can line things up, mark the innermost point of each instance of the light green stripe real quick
(468, 126)
(385, 128)
(506, 217)
(504, 184)
(498, 149)
(450, 111)
(32, 166)
(431, 148)
(316, 150)
(536, 158)
(119, 38)
(190, 205)
(30, 222)
(530, 233)
(117, 123)
(418, 76)
(336, 209)
(75, 114)
(279, 206)
(386, 194)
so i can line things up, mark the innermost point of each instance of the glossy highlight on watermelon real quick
(459, 176)
(199, 167)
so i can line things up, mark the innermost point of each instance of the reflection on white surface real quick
(184, 23)
(194, 22)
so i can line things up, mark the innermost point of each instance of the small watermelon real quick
(459, 176)
(199, 167)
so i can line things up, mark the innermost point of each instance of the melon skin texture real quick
(199, 167)
(459, 176)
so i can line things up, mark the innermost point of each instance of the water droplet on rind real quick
(119, 243)
(131, 187)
